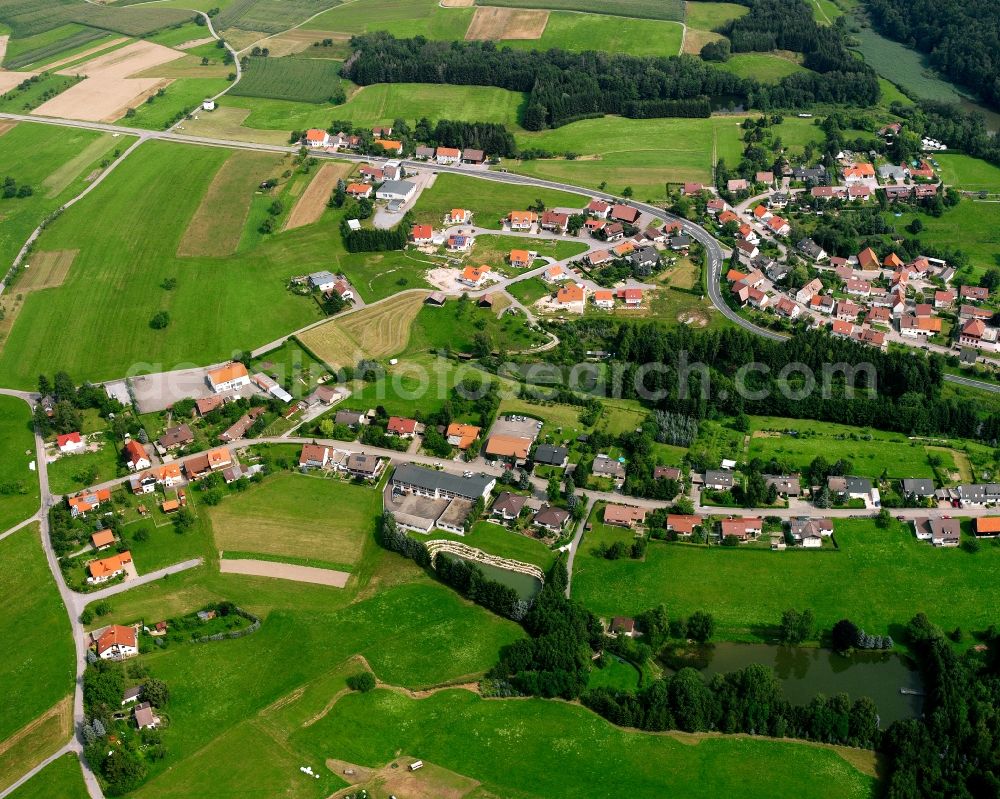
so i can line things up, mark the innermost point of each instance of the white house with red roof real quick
(421, 234)
(117, 642)
(317, 138)
(135, 456)
(400, 427)
(70, 442)
(598, 208)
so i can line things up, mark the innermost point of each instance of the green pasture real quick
(578, 32)
(402, 18)
(19, 497)
(62, 778)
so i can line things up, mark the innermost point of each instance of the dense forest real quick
(960, 37)
(564, 86)
(909, 394)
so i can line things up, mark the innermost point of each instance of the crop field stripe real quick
(47, 270)
(85, 36)
(57, 182)
(311, 80)
(310, 205)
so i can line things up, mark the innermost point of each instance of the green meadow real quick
(968, 173)
(17, 451)
(765, 67)
(402, 18)
(62, 778)
(578, 32)
(709, 16)
(39, 671)
(748, 589)
(972, 226)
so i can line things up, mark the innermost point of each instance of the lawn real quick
(39, 671)
(489, 201)
(323, 520)
(402, 18)
(765, 67)
(615, 674)
(966, 172)
(529, 291)
(495, 250)
(292, 365)
(74, 472)
(498, 540)
(574, 753)
(61, 778)
(19, 496)
(641, 153)
(889, 452)
(578, 32)
(748, 589)
(384, 102)
(309, 80)
(214, 308)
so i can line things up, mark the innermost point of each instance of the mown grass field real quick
(971, 174)
(578, 32)
(495, 250)
(299, 516)
(709, 16)
(182, 95)
(591, 757)
(403, 18)
(20, 498)
(489, 201)
(643, 9)
(456, 324)
(748, 589)
(642, 153)
(147, 205)
(765, 67)
(384, 102)
(971, 227)
(309, 80)
(61, 778)
(891, 452)
(38, 672)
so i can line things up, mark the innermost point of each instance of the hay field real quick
(309, 207)
(108, 90)
(323, 521)
(70, 59)
(226, 122)
(373, 332)
(217, 225)
(47, 270)
(10, 80)
(299, 40)
(59, 180)
(494, 24)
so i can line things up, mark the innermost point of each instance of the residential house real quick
(858, 173)
(550, 518)
(785, 307)
(458, 216)
(231, 377)
(871, 338)
(421, 234)
(944, 299)
(940, 532)
(604, 298)
(401, 428)
(448, 155)
(918, 488)
(363, 466)
(718, 480)
(206, 405)
(778, 200)
(880, 316)
(145, 718)
(859, 192)
(974, 293)
(522, 220)
(822, 303)
(764, 177)
(390, 146)
(681, 524)
(598, 208)
(972, 312)
(804, 294)
(461, 435)
(570, 294)
(761, 213)
(471, 156)
(624, 515)
(975, 333)
(624, 213)
(371, 174)
(715, 206)
(520, 259)
(474, 276)
(726, 217)
(554, 221)
(359, 190)
(507, 506)
(548, 455)
(623, 626)
(666, 473)
(102, 539)
(743, 528)
(987, 526)
(972, 494)
(786, 485)
(631, 297)
(842, 329)
(317, 138)
(680, 243)
(135, 456)
(423, 152)
(108, 568)
(352, 419)
(117, 642)
(240, 427)
(811, 249)
(645, 257)
(513, 449)
(912, 326)
(867, 259)
(779, 226)
(689, 189)
(87, 501)
(460, 243)
(809, 533)
(314, 456)
(853, 488)
(609, 467)
(737, 184)
(176, 436)
(400, 191)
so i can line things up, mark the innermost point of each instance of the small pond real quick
(525, 585)
(804, 672)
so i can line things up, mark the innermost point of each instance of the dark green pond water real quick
(804, 672)
(525, 585)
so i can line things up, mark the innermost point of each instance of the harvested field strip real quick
(285, 571)
(35, 741)
(302, 41)
(47, 270)
(57, 182)
(86, 54)
(373, 332)
(310, 205)
(217, 225)
(643, 9)
(194, 43)
(3, 46)
(7, 125)
(494, 24)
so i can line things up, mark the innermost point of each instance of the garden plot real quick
(108, 91)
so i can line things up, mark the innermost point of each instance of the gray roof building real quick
(718, 479)
(435, 483)
(551, 456)
(918, 487)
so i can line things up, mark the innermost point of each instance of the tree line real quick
(564, 86)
